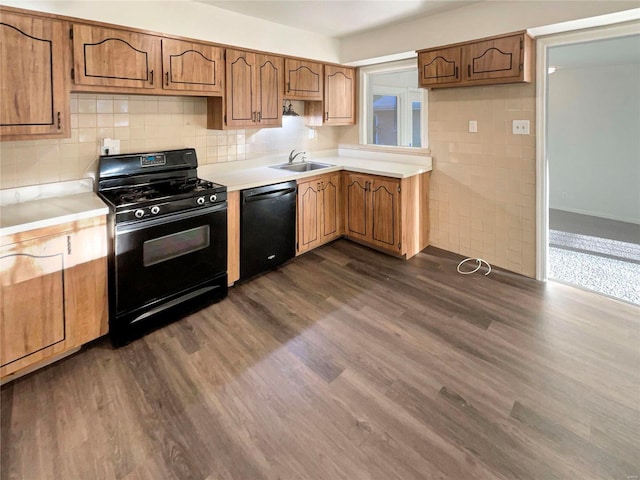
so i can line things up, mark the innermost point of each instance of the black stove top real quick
(131, 195)
(155, 184)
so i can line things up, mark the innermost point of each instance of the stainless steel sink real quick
(302, 166)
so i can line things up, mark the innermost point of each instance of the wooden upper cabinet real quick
(303, 80)
(501, 59)
(116, 58)
(34, 97)
(339, 95)
(269, 88)
(498, 58)
(440, 66)
(254, 89)
(192, 66)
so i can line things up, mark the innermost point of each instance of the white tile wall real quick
(147, 123)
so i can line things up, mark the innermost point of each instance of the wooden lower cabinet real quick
(233, 237)
(372, 210)
(319, 211)
(391, 214)
(53, 292)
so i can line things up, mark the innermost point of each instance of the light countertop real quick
(250, 174)
(28, 208)
(47, 211)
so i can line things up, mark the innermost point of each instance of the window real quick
(393, 108)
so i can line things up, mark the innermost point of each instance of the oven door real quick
(157, 259)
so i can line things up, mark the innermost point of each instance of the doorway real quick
(590, 218)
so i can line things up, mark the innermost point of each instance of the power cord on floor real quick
(480, 262)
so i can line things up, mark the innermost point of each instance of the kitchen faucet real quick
(292, 157)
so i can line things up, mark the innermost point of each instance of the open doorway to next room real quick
(593, 151)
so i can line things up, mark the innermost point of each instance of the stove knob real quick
(139, 213)
(200, 201)
(213, 198)
(155, 210)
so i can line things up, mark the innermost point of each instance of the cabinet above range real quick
(119, 60)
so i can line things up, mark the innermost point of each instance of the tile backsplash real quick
(483, 185)
(147, 123)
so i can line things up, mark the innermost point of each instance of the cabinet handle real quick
(288, 86)
(326, 116)
(456, 72)
(318, 186)
(59, 121)
(469, 71)
(259, 116)
(166, 76)
(68, 244)
(151, 75)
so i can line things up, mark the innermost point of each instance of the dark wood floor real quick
(348, 364)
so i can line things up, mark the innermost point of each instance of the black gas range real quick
(167, 240)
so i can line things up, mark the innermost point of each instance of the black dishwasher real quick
(267, 227)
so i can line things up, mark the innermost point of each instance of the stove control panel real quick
(153, 160)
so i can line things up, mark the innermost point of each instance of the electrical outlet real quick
(109, 146)
(565, 195)
(473, 126)
(521, 127)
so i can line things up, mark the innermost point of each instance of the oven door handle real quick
(167, 220)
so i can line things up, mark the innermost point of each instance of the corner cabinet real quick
(320, 211)
(372, 210)
(494, 60)
(387, 213)
(34, 101)
(339, 95)
(254, 90)
(192, 67)
(339, 104)
(54, 293)
(116, 58)
(303, 80)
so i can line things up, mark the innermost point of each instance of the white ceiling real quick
(337, 18)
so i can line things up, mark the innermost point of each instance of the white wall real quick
(594, 141)
(195, 20)
(478, 20)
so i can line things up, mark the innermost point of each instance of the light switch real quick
(473, 126)
(521, 127)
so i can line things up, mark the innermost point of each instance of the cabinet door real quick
(385, 207)
(357, 208)
(32, 310)
(34, 97)
(115, 58)
(331, 208)
(439, 66)
(494, 59)
(309, 215)
(191, 66)
(303, 80)
(339, 97)
(241, 88)
(269, 88)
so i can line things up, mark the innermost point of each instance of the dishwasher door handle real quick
(268, 195)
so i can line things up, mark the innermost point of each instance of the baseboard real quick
(635, 221)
